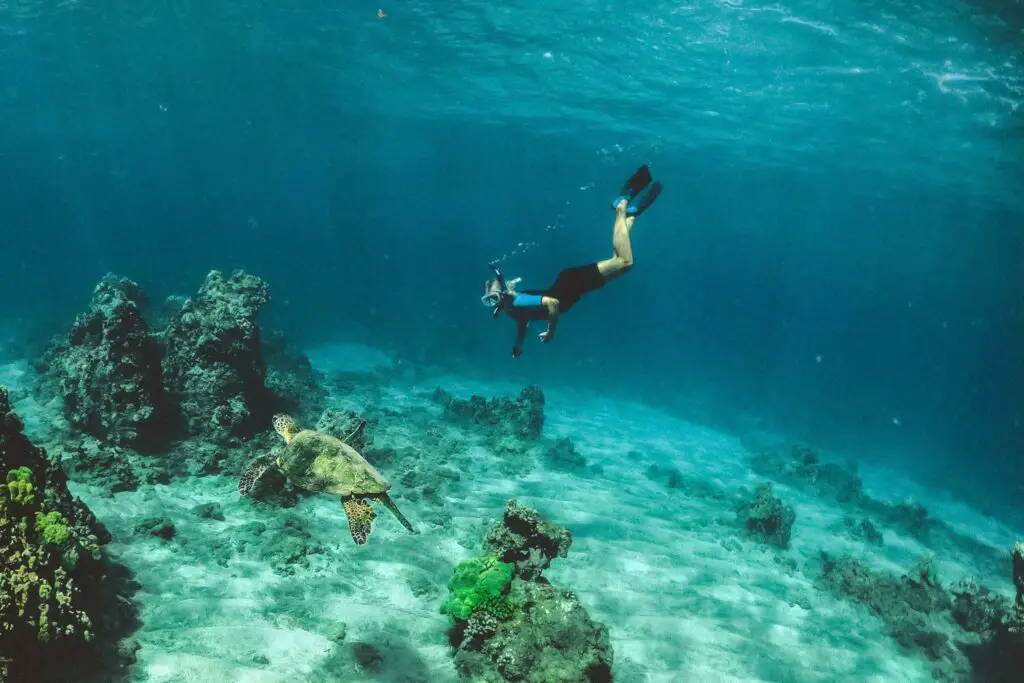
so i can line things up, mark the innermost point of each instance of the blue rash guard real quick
(527, 306)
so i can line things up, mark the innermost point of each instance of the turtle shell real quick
(325, 464)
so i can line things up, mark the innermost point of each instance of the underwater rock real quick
(286, 547)
(801, 465)
(209, 511)
(107, 369)
(343, 425)
(297, 387)
(158, 527)
(909, 516)
(863, 530)
(977, 609)
(521, 417)
(510, 623)
(562, 454)
(213, 366)
(672, 478)
(60, 611)
(767, 518)
(1017, 558)
(1000, 656)
(908, 608)
(527, 541)
(107, 468)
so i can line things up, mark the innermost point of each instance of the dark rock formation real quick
(562, 454)
(863, 530)
(213, 365)
(527, 541)
(521, 418)
(108, 468)
(802, 465)
(107, 370)
(297, 387)
(977, 609)
(767, 518)
(912, 610)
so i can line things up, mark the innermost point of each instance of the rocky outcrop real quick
(213, 364)
(62, 604)
(510, 623)
(106, 370)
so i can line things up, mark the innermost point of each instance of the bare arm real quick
(517, 349)
(553, 306)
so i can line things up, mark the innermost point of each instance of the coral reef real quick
(213, 366)
(343, 425)
(510, 623)
(911, 609)
(478, 584)
(767, 518)
(977, 609)
(863, 530)
(108, 468)
(672, 478)
(1017, 559)
(59, 610)
(521, 418)
(291, 378)
(562, 455)
(528, 541)
(107, 369)
(801, 465)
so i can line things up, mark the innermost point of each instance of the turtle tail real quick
(386, 501)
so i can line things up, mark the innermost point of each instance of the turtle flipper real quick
(360, 518)
(257, 468)
(386, 501)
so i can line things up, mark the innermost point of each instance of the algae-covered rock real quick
(549, 639)
(213, 366)
(58, 601)
(510, 623)
(107, 369)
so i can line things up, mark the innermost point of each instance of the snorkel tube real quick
(502, 288)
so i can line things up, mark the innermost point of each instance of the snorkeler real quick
(572, 283)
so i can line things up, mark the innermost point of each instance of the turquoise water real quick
(835, 259)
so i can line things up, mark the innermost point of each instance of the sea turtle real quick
(326, 464)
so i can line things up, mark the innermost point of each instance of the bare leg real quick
(622, 261)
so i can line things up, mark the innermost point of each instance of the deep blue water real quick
(837, 251)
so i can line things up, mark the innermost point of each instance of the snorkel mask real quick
(499, 299)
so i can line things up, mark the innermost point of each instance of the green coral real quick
(501, 608)
(52, 527)
(19, 486)
(478, 582)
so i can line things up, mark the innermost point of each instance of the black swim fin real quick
(645, 201)
(634, 186)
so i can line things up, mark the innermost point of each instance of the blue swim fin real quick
(634, 186)
(645, 201)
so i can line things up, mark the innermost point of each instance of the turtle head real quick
(286, 427)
